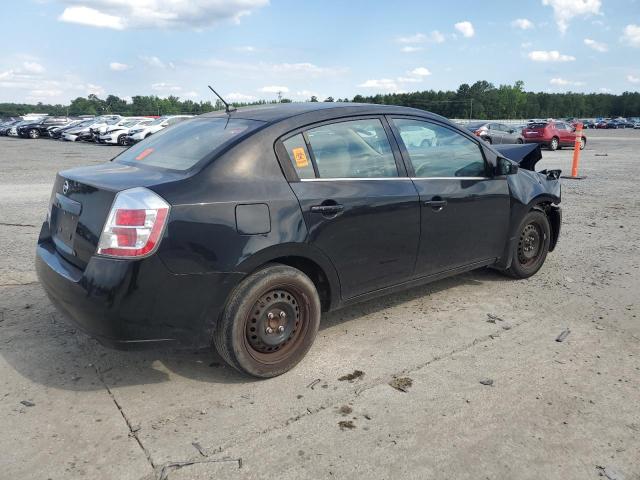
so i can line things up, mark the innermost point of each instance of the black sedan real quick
(40, 128)
(238, 229)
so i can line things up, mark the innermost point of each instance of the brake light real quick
(478, 132)
(135, 224)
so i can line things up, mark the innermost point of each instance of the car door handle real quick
(437, 205)
(327, 209)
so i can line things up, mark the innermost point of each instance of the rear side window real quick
(297, 149)
(436, 151)
(187, 143)
(353, 149)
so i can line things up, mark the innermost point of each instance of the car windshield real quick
(158, 121)
(184, 145)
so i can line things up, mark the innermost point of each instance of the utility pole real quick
(471, 110)
(279, 96)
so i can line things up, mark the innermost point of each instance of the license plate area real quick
(64, 221)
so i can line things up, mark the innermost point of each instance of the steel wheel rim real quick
(281, 343)
(530, 245)
(554, 144)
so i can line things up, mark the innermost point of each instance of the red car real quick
(552, 134)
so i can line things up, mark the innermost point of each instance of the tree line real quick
(480, 100)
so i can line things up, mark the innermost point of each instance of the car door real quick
(496, 133)
(510, 135)
(360, 207)
(565, 133)
(464, 208)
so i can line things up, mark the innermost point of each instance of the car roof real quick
(277, 112)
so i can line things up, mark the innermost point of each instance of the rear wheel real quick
(531, 249)
(122, 140)
(488, 140)
(554, 144)
(520, 140)
(34, 133)
(270, 322)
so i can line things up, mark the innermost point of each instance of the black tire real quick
(488, 140)
(122, 140)
(554, 144)
(242, 336)
(520, 141)
(34, 133)
(532, 245)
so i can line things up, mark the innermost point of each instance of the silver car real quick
(496, 133)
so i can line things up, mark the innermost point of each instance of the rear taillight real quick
(135, 224)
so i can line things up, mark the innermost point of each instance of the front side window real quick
(353, 149)
(437, 151)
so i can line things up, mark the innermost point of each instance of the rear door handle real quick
(327, 209)
(436, 204)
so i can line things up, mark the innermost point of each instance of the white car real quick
(117, 134)
(85, 132)
(137, 134)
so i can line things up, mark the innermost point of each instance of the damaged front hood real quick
(525, 155)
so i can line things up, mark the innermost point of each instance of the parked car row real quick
(103, 129)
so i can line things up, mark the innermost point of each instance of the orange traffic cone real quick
(576, 155)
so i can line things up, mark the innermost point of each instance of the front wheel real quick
(519, 141)
(554, 145)
(583, 143)
(34, 133)
(122, 140)
(270, 322)
(531, 249)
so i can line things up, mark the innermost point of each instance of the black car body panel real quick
(244, 207)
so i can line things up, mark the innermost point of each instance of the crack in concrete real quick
(3, 224)
(19, 284)
(163, 472)
(132, 431)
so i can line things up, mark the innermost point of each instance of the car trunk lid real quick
(81, 200)
(534, 130)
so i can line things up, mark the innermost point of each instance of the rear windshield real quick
(537, 125)
(182, 146)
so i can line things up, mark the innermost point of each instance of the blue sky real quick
(56, 50)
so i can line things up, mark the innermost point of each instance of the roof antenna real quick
(227, 108)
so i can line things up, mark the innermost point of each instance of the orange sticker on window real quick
(300, 157)
(146, 152)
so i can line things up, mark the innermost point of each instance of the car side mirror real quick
(506, 167)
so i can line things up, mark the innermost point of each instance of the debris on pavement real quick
(492, 318)
(314, 383)
(564, 334)
(199, 448)
(487, 381)
(401, 383)
(346, 425)
(27, 403)
(352, 376)
(345, 409)
(608, 473)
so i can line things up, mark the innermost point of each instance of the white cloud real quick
(95, 90)
(274, 89)
(246, 49)
(32, 67)
(604, 90)
(633, 79)
(421, 72)
(239, 97)
(415, 38)
(465, 28)
(419, 38)
(38, 94)
(550, 56)
(561, 82)
(631, 35)
(165, 87)
(155, 62)
(119, 67)
(382, 84)
(565, 10)
(409, 79)
(522, 23)
(411, 49)
(597, 46)
(91, 17)
(122, 14)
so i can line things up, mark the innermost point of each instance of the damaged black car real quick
(238, 229)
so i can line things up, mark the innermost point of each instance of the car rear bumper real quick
(541, 140)
(128, 304)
